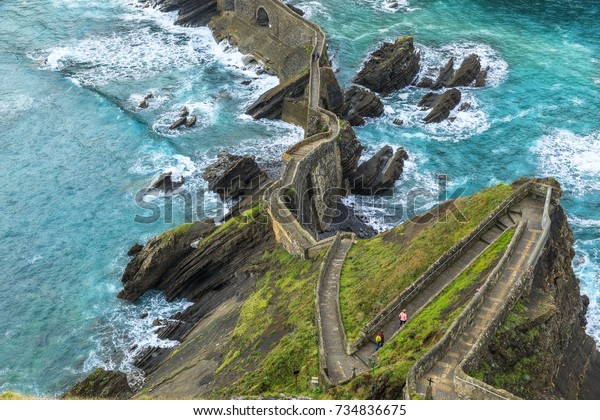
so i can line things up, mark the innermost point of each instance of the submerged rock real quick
(190, 122)
(231, 176)
(191, 12)
(359, 104)
(391, 67)
(178, 123)
(379, 173)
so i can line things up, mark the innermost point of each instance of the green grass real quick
(378, 269)
(254, 215)
(276, 334)
(421, 333)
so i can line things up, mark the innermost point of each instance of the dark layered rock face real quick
(231, 176)
(202, 263)
(467, 72)
(350, 151)
(270, 103)
(391, 67)
(440, 104)
(191, 12)
(359, 104)
(378, 174)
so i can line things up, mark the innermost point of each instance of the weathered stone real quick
(147, 267)
(296, 10)
(350, 150)
(380, 172)
(191, 12)
(178, 123)
(442, 106)
(134, 250)
(425, 82)
(190, 122)
(359, 104)
(270, 103)
(391, 67)
(332, 96)
(398, 121)
(184, 112)
(231, 176)
(166, 184)
(101, 384)
(464, 106)
(428, 100)
(467, 72)
(445, 76)
(480, 81)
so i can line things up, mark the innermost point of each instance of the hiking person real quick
(378, 341)
(382, 338)
(402, 317)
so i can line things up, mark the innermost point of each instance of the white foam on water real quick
(415, 192)
(312, 8)
(14, 106)
(432, 59)
(390, 6)
(586, 268)
(572, 159)
(126, 330)
(458, 126)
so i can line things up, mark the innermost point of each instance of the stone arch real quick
(262, 17)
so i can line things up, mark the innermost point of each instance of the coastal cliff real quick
(542, 351)
(253, 324)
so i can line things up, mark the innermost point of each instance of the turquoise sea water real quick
(75, 149)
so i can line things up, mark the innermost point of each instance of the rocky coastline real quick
(219, 267)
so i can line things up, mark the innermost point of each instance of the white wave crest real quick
(432, 59)
(572, 159)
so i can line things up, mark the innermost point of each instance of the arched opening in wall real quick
(262, 18)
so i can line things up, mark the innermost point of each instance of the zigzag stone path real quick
(442, 373)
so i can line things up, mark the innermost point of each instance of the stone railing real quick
(325, 265)
(437, 267)
(458, 326)
(323, 374)
(288, 230)
(468, 387)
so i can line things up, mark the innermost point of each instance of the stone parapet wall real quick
(425, 363)
(437, 267)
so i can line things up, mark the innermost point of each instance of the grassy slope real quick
(276, 333)
(422, 332)
(378, 269)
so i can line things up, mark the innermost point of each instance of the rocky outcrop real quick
(201, 263)
(149, 265)
(379, 173)
(440, 104)
(445, 76)
(295, 9)
(359, 104)
(101, 384)
(543, 351)
(391, 67)
(166, 184)
(350, 150)
(191, 12)
(270, 103)
(231, 176)
(332, 96)
(467, 72)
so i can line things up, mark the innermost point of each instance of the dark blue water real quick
(75, 148)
